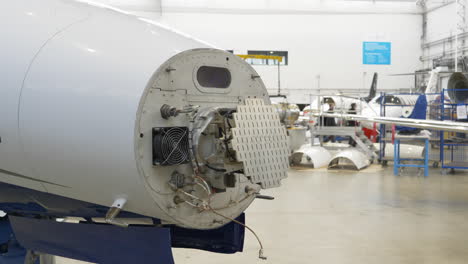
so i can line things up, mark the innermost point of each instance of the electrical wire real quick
(207, 189)
(213, 168)
(190, 195)
(261, 251)
(191, 204)
(201, 185)
(206, 206)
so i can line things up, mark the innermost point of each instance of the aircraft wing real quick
(351, 97)
(418, 123)
(417, 73)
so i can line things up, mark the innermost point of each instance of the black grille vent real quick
(170, 146)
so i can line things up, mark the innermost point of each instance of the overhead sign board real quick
(377, 53)
(265, 57)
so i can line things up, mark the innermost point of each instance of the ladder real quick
(362, 142)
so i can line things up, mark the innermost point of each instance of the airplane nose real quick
(214, 134)
(368, 112)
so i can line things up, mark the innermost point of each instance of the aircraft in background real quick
(342, 102)
(409, 111)
(371, 105)
(396, 105)
(402, 105)
(399, 105)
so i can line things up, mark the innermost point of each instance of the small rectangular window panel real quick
(283, 54)
(377, 53)
(213, 77)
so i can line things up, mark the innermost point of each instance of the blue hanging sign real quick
(377, 53)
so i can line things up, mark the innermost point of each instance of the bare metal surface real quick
(261, 143)
(418, 123)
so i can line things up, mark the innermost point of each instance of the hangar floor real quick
(371, 216)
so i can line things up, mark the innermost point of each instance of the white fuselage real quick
(395, 105)
(81, 88)
(69, 98)
(342, 104)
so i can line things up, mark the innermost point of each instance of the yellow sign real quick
(264, 57)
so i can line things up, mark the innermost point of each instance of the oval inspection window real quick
(214, 77)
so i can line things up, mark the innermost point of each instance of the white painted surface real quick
(321, 44)
(359, 159)
(442, 22)
(298, 6)
(316, 156)
(323, 38)
(74, 98)
(134, 5)
(18, 47)
(407, 151)
(373, 108)
(71, 99)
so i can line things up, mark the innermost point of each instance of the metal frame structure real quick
(455, 150)
(383, 128)
(397, 165)
(341, 130)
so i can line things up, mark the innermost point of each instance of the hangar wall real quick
(323, 51)
(152, 7)
(317, 46)
(439, 38)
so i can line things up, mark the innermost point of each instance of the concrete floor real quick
(371, 216)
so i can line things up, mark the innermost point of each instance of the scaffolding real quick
(407, 103)
(342, 130)
(453, 146)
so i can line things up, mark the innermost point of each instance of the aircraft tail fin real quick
(432, 83)
(373, 88)
(419, 112)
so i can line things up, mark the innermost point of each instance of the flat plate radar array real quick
(261, 143)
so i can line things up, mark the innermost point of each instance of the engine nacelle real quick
(458, 87)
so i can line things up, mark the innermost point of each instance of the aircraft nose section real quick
(369, 111)
(349, 158)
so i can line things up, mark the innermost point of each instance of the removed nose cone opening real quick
(349, 159)
(311, 156)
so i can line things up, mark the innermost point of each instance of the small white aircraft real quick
(400, 105)
(342, 102)
(406, 110)
(396, 105)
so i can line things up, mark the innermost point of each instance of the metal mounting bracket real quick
(114, 211)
